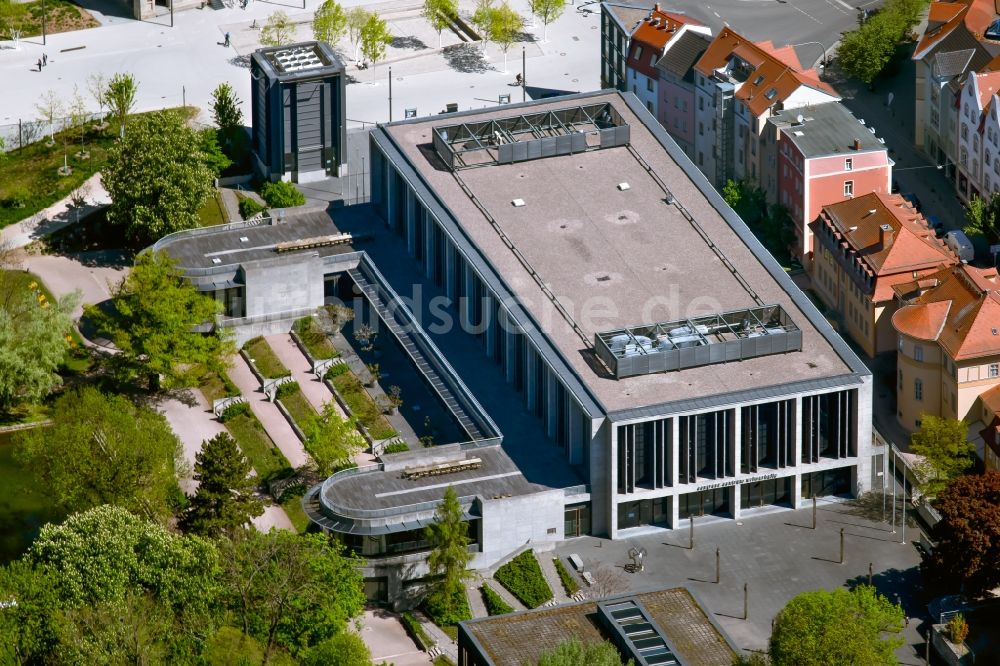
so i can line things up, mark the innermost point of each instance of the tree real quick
(331, 440)
(50, 107)
(33, 335)
(103, 449)
(983, 217)
(211, 152)
(289, 589)
(573, 653)
(837, 628)
(482, 18)
(943, 444)
(226, 111)
(375, 37)
(27, 627)
(157, 177)
(343, 649)
(967, 537)
(281, 194)
(329, 22)
(505, 28)
(440, 14)
(450, 557)
(547, 11)
(97, 86)
(731, 192)
(78, 116)
(120, 98)
(103, 554)
(277, 30)
(155, 311)
(135, 630)
(864, 53)
(224, 500)
(357, 18)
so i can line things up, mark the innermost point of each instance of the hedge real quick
(286, 389)
(249, 207)
(416, 632)
(495, 605)
(336, 370)
(523, 578)
(396, 447)
(568, 582)
(233, 410)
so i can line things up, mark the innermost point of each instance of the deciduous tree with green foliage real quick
(357, 18)
(864, 53)
(375, 37)
(103, 449)
(281, 194)
(157, 177)
(152, 320)
(33, 335)
(329, 22)
(547, 11)
(505, 28)
(28, 628)
(482, 18)
(983, 217)
(344, 649)
(278, 30)
(331, 440)
(120, 97)
(731, 193)
(837, 628)
(440, 14)
(967, 537)
(135, 630)
(574, 653)
(224, 500)
(290, 590)
(226, 110)
(449, 559)
(946, 451)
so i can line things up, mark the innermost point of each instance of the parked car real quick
(937, 225)
(960, 245)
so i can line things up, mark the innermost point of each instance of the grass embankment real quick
(523, 578)
(291, 502)
(315, 340)
(60, 16)
(267, 362)
(362, 406)
(215, 387)
(212, 212)
(295, 402)
(255, 443)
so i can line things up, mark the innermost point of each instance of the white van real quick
(960, 245)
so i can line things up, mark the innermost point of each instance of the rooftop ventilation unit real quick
(216, 260)
(517, 203)
(624, 186)
(244, 239)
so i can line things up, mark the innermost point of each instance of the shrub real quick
(396, 447)
(336, 370)
(416, 632)
(249, 207)
(523, 578)
(495, 605)
(234, 410)
(286, 389)
(568, 582)
(448, 614)
(958, 629)
(281, 195)
(314, 339)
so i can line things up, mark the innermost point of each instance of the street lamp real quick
(43, 22)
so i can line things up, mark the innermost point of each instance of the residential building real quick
(528, 241)
(655, 36)
(978, 137)
(990, 400)
(948, 352)
(816, 156)
(959, 38)
(676, 629)
(739, 84)
(298, 112)
(676, 104)
(864, 247)
(618, 21)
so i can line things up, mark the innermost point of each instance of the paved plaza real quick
(778, 554)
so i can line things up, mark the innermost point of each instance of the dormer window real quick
(757, 81)
(638, 52)
(772, 93)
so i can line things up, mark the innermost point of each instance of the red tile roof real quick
(653, 34)
(778, 79)
(962, 313)
(945, 16)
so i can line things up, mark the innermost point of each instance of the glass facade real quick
(577, 520)
(705, 446)
(768, 436)
(829, 426)
(704, 503)
(644, 512)
(761, 493)
(397, 543)
(827, 482)
(644, 455)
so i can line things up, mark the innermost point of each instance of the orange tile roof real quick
(785, 54)
(945, 16)
(962, 313)
(777, 77)
(980, 15)
(987, 83)
(991, 398)
(913, 247)
(667, 24)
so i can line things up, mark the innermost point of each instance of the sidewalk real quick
(267, 413)
(443, 643)
(193, 424)
(552, 578)
(58, 215)
(315, 391)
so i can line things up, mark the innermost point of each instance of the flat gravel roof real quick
(615, 258)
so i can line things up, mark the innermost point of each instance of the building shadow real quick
(409, 43)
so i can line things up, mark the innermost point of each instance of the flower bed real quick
(569, 583)
(264, 358)
(523, 578)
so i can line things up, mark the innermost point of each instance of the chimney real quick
(885, 235)
(857, 144)
(656, 7)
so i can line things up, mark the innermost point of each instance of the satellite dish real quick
(799, 119)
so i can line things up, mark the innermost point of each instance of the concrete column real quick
(675, 442)
(796, 461)
(863, 411)
(737, 453)
(734, 502)
(611, 471)
(551, 425)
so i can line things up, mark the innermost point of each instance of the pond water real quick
(23, 508)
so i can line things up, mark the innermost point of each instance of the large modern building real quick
(298, 112)
(620, 351)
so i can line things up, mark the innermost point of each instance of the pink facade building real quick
(822, 155)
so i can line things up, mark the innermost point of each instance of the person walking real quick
(45, 60)
(39, 64)
(227, 40)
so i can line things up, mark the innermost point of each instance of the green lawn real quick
(215, 387)
(263, 455)
(265, 359)
(315, 340)
(60, 16)
(24, 507)
(301, 410)
(362, 406)
(212, 212)
(292, 504)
